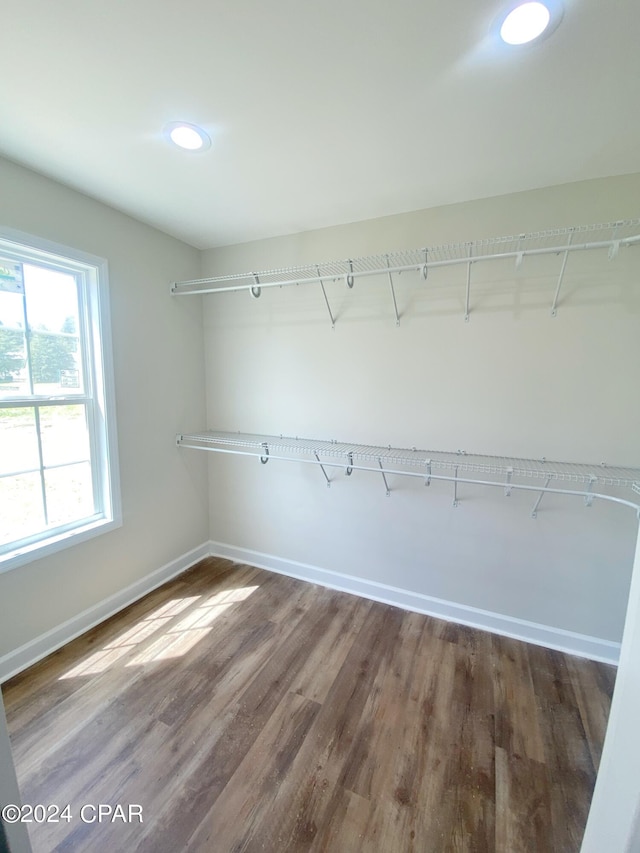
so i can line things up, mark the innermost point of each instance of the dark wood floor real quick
(245, 711)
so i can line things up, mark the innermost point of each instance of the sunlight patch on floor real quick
(177, 639)
(193, 627)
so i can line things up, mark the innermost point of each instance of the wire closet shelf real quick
(560, 241)
(539, 475)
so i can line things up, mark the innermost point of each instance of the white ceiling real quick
(320, 113)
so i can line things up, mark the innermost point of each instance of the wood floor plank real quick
(316, 678)
(204, 723)
(350, 825)
(248, 799)
(567, 755)
(385, 712)
(227, 743)
(593, 688)
(247, 711)
(517, 721)
(460, 758)
(305, 799)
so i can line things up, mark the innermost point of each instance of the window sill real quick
(44, 547)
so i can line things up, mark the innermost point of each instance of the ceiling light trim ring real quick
(195, 140)
(554, 9)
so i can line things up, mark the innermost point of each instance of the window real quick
(58, 455)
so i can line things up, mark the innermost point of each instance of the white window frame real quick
(91, 272)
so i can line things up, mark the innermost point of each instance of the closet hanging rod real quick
(346, 452)
(343, 456)
(499, 248)
(183, 441)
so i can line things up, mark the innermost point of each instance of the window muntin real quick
(58, 458)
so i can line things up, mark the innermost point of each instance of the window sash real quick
(83, 336)
(96, 396)
(42, 468)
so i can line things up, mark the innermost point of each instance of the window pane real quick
(21, 512)
(65, 437)
(18, 441)
(13, 373)
(69, 493)
(54, 346)
(56, 458)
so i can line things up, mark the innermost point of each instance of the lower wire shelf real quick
(539, 475)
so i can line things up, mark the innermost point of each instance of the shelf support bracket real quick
(455, 487)
(393, 293)
(386, 485)
(588, 500)
(324, 293)
(427, 481)
(425, 268)
(468, 295)
(507, 490)
(349, 470)
(534, 511)
(255, 290)
(265, 458)
(326, 476)
(520, 253)
(554, 307)
(614, 248)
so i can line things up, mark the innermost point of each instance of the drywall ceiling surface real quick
(320, 113)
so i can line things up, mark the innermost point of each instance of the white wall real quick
(159, 376)
(511, 381)
(12, 835)
(614, 818)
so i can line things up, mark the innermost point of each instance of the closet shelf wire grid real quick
(609, 235)
(392, 460)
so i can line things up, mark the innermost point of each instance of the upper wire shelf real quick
(426, 464)
(562, 241)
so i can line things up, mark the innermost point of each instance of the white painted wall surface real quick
(159, 377)
(614, 819)
(512, 381)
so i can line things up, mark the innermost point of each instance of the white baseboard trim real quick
(33, 651)
(508, 626)
(569, 642)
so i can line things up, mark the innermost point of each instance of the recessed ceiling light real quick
(187, 136)
(525, 23)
